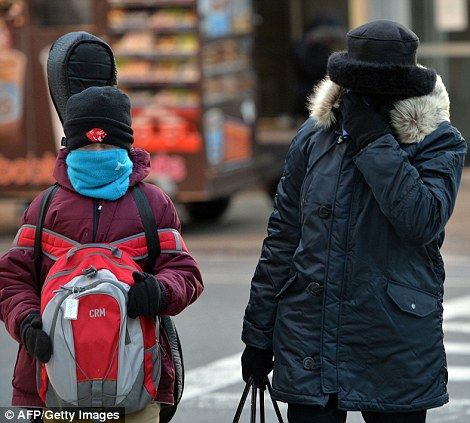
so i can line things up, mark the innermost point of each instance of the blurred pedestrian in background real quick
(321, 37)
(347, 295)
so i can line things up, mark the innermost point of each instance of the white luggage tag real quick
(71, 308)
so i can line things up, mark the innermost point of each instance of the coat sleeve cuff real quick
(19, 320)
(163, 296)
(256, 337)
(385, 140)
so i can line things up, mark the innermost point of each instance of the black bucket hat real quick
(78, 60)
(381, 59)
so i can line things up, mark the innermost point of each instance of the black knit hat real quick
(98, 114)
(381, 59)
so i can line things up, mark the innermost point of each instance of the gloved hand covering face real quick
(360, 121)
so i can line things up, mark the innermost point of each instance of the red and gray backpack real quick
(101, 357)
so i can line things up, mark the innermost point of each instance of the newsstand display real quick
(188, 68)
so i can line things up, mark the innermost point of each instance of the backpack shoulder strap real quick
(154, 249)
(150, 226)
(45, 203)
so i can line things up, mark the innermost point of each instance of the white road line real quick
(212, 377)
(462, 348)
(460, 327)
(459, 373)
(457, 307)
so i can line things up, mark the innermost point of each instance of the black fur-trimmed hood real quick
(412, 118)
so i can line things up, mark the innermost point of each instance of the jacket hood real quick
(412, 119)
(140, 158)
(76, 61)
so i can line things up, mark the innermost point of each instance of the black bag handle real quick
(275, 406)
(241, 404)
(150, 227)
(37, 252)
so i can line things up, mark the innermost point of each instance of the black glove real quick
(36, 341)
(361, 122)
(146, 297)
(257, 363)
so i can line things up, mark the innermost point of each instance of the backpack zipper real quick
(82, 289)
(69, 271)
(97, 206)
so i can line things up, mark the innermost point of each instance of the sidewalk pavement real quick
(10, 213)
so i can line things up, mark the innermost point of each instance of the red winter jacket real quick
(73, 215)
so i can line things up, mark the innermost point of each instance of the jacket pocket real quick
(286, 286)
(411, 300)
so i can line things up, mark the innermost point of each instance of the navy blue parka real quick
(349, 286)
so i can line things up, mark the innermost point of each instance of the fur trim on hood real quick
(412, 118)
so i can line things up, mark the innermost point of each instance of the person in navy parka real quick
(348, 293)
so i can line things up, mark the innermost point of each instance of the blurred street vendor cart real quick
(187, 66)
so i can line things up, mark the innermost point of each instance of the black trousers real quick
(299, 413)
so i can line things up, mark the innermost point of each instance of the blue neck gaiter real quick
(102, 174)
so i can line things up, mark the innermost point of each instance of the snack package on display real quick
(12, 83)
(173, 19)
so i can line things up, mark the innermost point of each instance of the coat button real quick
(325, 211)
(308, 363)
(315, 289)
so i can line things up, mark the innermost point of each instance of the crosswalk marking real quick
(457, 307)
(462, 348)
(212, 377)
(459, 373)
(459, 327)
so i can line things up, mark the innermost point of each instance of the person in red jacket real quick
(93, 204)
